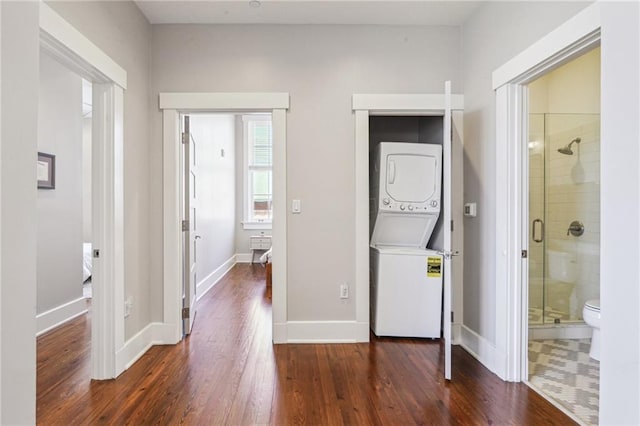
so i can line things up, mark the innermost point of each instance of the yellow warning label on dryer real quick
(434, 267)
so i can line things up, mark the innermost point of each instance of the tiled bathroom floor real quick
(535, 316)
(563, 370)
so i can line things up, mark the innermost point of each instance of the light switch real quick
(295, 206)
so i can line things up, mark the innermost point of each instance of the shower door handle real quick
(533, 230)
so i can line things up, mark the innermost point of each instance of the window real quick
(258, 185)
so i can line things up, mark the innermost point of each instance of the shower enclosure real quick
(564, 216)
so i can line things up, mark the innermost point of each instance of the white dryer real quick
(405, 193)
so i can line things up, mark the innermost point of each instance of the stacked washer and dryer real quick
(406, 276)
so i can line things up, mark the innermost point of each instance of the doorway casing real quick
(172, 104)
(576, 36)
(364, 106)
(59, 39)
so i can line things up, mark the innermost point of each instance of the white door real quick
(189, 229)
(447, 215)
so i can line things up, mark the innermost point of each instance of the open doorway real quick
(72, 53)
(172, 104)
(227, 197)
(60, 203)
(564, 235)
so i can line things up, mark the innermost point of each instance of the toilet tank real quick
(563, 266)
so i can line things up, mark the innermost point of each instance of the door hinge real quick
(185, 313)
(524, 254)
(452, 316)
(96, 253)
(185, 225)
(185, 137)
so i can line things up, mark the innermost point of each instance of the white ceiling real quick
(380, 12)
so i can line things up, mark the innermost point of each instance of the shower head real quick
(566, 150)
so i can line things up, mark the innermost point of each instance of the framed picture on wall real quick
(46, 171)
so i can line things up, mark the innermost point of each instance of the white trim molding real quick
(405, 103)
(479, 347)
(249, 102)
(577, 35)
(327, 332)
(212, 279)
(172, 105)
(571, 39)
(79, 51)
(59, 315)
(153, 334)
(79, 54)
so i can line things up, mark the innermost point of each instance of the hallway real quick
(228, 372)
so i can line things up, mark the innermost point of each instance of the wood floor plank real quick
(228, 372)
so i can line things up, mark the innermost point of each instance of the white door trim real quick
(66, 44)
(365, 105)
(172, 104)
(574, 37)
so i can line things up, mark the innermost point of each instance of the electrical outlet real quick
(344, 291)
(128, 305)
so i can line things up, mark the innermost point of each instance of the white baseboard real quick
(155, 333)
(479, 347)
(325, 332)
(212, 279)
(243, 257)
(59, 315)
(456, 333)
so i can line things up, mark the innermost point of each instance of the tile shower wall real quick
(573, 193)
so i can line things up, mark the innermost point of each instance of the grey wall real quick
(493, 35)
(321, 67)
(59, 252)
(19, 114)
(86, 180)
(215, 191)
(123, 33)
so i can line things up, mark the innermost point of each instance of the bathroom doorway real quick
(564, 235)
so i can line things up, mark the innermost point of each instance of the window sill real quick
(255, 225)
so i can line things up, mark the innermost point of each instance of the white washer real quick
(406, 292)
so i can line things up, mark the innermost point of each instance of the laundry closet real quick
(405, 187)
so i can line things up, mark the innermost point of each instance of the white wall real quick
(321, 67)
(620, 209)
(18, 216)
(59, 255)
(215, 192)
(491, 36)
(123, 33)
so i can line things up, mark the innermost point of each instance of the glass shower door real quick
(564, 216)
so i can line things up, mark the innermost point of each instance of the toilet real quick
(591, 315)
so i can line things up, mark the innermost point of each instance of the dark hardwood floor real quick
(228, 372)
